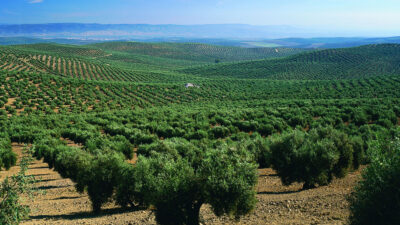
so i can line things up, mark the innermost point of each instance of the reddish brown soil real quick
(10, 101)
(277, 204)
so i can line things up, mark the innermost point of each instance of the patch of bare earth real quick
(64, 67)
(277, 204)
(10, 101)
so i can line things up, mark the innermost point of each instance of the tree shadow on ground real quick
(278, 192)
(39, 167)
(53, 187)
(268, 175)
(46, 180)
(39, 175)
(63, 198)
(86, 215)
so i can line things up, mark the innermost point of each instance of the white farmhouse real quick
(188, 85)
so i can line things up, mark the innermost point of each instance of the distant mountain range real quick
(332, 42)
(118, 31)
(218, 34)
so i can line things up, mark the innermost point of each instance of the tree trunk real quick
(194, 214)
(96, 207)
(307, 186)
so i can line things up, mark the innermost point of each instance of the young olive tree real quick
(12, 210)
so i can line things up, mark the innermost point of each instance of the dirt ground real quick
(277, 204)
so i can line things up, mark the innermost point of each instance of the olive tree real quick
(12, 190)
(7, 157)
(376, 199)
(313, 158)
(177, 187)
(97, 174)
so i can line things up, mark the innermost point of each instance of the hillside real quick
(105, 121)
(197, 52)
(170, 63)
(80, 62)
(364, 61)
(25, 93)
(125, 61)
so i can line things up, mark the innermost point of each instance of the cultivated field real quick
(146, 133)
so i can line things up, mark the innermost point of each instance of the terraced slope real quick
(360, 62)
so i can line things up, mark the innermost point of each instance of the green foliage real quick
(129, 191)
(175, 147)
(116, 143)
(259, 148)
(364, 61)
(170, 186)
(47, 149)
(230, 181)
(196, 52)
(178, 186)
(7, 157)
(12, 210)
(313, 158)
(301, 114)
(359, 151)
(376, 199)
(73, 163)
(219, 132)
(98, 175)
(101, 178)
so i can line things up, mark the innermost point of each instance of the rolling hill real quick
(90, 111)
(364, 61)
(125, 61)
(117, 75)
(196, 52)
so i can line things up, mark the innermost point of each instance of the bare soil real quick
(277, 204)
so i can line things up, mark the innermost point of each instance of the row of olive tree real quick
(186, 174)
(13, 191)
(315, 157)
(175, 177)
(7, 157)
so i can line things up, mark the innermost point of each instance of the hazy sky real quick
(332, 14)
